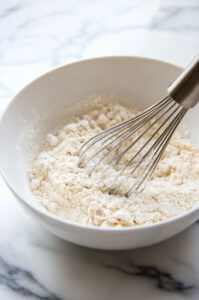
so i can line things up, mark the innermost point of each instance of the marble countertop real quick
(35, 37)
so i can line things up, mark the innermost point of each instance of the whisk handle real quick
(185, 89)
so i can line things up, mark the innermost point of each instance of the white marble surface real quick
(36, 36)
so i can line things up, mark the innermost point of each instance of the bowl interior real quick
(39, 107)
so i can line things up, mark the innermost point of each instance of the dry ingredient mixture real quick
(64, 188)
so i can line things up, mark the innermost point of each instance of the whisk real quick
(160, 120)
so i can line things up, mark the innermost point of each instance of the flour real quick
(64, 188)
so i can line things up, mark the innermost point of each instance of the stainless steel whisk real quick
(183, 94)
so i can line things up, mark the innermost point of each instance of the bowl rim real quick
(49, 216)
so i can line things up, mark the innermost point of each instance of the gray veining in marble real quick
(36, 36)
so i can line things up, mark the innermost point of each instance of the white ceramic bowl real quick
(44, 102)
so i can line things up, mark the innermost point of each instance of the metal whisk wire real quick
(161, 144)
(167, 114)
(120, 128)
(122, 133)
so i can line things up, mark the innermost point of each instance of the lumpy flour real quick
(64, 188)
